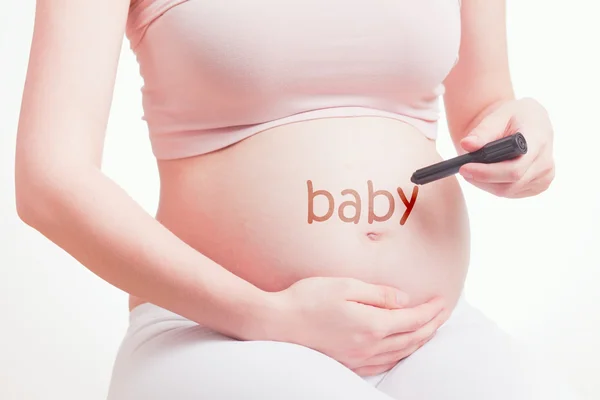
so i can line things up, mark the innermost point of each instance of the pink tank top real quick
(217, 72)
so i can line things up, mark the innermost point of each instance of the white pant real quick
(167, 357)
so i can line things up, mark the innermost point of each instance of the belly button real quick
(374, 236)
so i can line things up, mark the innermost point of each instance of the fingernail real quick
(401, 298)
(466, 175)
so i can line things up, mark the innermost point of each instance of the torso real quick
(220, 81)
(247, 208)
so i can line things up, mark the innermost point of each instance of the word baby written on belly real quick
(350, 210)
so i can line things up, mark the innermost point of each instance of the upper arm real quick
(481, 77)
(69, 84)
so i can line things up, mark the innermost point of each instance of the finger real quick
(535, 181)
(524, 193)
(535, 187)
(397, 355)
(372, 370)
(509, 171)
(400, 341)
(411, 319)
(497, 189)
(538, 178)
(375, 295)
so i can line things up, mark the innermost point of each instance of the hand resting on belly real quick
(366, 327)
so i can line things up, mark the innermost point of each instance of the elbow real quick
(36, 195)
(23, 211)
(26, 211)
(46, 192)
(27, 199)
(23, 196)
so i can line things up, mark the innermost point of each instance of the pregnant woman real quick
(291, 257)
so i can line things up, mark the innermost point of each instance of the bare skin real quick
(243, 245)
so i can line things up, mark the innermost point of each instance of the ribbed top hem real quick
(174, 145)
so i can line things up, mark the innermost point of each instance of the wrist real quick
(266, 318)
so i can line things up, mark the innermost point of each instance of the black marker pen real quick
(499, 150)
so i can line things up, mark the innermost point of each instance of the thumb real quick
(377, 295)
(492, 127)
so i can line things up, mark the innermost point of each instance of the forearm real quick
(481, 80)
(95, 221)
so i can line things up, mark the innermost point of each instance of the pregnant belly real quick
(329, 197)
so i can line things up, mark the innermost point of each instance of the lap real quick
(472, 358)
(165, 356)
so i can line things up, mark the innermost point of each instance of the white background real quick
(535, 265)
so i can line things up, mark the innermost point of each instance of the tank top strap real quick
(142, 13)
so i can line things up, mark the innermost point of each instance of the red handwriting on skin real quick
(355, 204)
